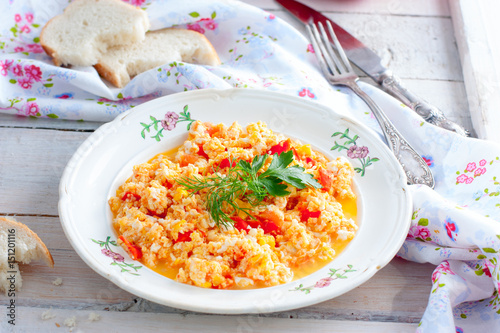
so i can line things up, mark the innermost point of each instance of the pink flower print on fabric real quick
(442, 269)
(31, 109)
(25, 82)
(196, 27)
(4, 66)
(208, 23)
(28, 17)
(479, 172)
(17, 70)
(451, 229)
(424, 233)
(471, 167)
(324, 282)
(17, 18)
(464, 179)
(271, 17)
(482, 162)
(35, 48)
(19, 49)
(488, 268)
(310, 48)
(428, 160)
(419, 232)
(137, 2)
(33, 72)
(307, 92)
(25, 28)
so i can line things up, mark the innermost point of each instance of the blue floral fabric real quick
(454, 226)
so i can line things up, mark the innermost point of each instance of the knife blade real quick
(371, 64)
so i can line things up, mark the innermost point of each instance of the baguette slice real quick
(87, 28)
(28, 247)
(159, 47)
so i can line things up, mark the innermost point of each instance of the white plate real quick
(106, 158)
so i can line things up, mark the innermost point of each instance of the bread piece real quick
(28, 247)
(159, 47)
(87, 28)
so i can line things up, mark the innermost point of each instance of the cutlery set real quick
(338, 71)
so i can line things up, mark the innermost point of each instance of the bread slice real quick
(27, 246)
(159, 47)
(87, 28)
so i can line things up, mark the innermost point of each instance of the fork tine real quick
(339, 48)
(317, 49)
(326, 54)
(334, 59)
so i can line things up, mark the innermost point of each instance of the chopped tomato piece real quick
(201, 152)
(254, 223)
(310, 161)
(184, 237)
(239, 223)
(134, 250)
(325, 178)
(167, 184)
(155, 213)
(281, 147)
(305, 214)
(271, 228)
(225, 163)
(130, 195)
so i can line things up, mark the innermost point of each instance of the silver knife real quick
(370, 63)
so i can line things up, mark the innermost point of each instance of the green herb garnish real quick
(244, 181)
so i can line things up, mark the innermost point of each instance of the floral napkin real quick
(455, 226)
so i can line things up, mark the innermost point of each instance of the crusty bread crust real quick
(214, 53)
(42, 249)
(50, 52)
(108, 74)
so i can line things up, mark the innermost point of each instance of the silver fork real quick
(338, 71)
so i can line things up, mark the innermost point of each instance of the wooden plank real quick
(413, 47)
(385, 7)
(476, 27)
(31, 166)
(30, 320)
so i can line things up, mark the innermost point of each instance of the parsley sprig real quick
(245, 180)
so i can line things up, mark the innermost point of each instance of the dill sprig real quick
(245, 180)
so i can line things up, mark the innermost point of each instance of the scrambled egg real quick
(171, 227)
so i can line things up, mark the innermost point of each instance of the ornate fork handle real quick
(427, 111)
(416, 169)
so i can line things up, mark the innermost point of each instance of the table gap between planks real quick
(34, 153)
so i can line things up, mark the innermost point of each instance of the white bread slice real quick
(87, 28)
(159, 47)
(28, 247)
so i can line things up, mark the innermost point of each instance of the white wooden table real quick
(34, 152)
